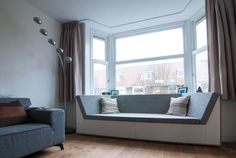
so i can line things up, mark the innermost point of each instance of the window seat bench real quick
(144, 117)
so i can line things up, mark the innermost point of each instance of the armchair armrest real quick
(53, 117)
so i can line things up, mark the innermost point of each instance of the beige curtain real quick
(71, 43)
(221, 25)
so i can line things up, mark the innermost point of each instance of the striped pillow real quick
(109, 105)
(12, 113)
(179, 106)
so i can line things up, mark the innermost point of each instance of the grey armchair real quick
(46, 127)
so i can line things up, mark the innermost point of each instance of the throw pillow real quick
(12, 113)
(179, 106)
(109, 105)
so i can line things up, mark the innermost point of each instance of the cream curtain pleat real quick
(221, 25)
(72, 45)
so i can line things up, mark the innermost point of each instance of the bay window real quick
(153, 60)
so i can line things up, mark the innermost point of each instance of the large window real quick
(99, 66)
(150, 63)
(200, 57)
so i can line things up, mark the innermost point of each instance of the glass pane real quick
(201, 34)
(99, 78)
(156, 44)
(99, 49)
(163, 76)
(202, 71)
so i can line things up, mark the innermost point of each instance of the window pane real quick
(99, 78)
(202, 71)
(201, 34)
(156, 44)
(99, 49)
(163, 76)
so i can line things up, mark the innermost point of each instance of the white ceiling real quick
(115, 13)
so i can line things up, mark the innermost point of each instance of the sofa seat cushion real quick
(20, 128)
(30, 137)
(143, 117)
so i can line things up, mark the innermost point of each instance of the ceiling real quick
(116, 13)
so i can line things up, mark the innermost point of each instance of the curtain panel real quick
(72, 45)
(221, 25)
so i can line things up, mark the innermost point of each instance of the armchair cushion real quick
(12, 113)
(24, 101)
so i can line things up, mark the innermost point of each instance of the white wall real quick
(28, 64)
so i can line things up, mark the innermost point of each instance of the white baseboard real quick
(229, 138)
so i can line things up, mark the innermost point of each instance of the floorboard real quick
(81, 146)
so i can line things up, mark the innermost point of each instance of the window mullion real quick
(199, 50)
(150, 59)
(100, 61)
(189, 46)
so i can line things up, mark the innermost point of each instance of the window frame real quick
(153, 29)
(189, 36)
(197, 50)
(101, 36)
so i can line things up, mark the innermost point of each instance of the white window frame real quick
(188, 56)
(151, 30)
(102, 36)
(196, 50)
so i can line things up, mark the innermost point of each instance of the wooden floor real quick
(80, 146)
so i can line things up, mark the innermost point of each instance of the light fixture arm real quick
(63, 67)
(63, 60)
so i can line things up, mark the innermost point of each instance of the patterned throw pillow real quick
(12, 113)
(109, 105)
(179, 106)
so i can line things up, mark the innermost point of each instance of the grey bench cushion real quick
(201, 105)
(89, 104)
(145, 103)
(143, 117)
(199, 109)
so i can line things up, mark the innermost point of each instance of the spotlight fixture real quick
(52, 41)
(44, 32)
(38, 20)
